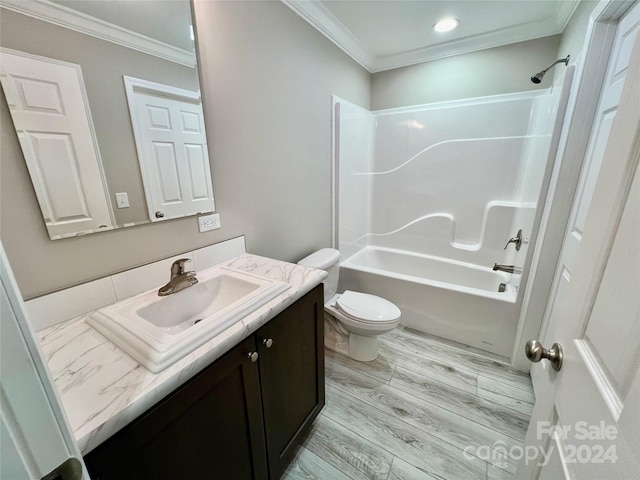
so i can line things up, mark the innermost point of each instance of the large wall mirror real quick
(105, 98)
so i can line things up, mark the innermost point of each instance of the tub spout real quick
(506, 268)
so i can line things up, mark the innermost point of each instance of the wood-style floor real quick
(424, 409)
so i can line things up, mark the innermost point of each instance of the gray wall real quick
(103, 64)
(267, 78)
(487, 72)
(267, 81)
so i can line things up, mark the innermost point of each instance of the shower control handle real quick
(536, 352)
(518, 240)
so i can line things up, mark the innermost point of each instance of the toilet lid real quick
(367, 307)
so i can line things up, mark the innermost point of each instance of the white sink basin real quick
(158, 331)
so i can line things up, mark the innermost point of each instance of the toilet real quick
(352, 320)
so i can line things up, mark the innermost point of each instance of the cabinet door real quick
(210, 428)
(292, 376)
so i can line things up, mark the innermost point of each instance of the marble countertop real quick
(102, 388)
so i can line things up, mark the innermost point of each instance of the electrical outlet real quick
(209, 222)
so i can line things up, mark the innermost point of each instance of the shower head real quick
(537, 78)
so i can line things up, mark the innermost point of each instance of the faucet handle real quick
(177, 267)
(518, 240)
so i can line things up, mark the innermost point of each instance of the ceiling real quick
(381, 35)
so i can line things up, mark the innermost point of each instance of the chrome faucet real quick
(179, 278)
(506, 268)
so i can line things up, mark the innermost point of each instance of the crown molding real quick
(323, 20)
(496, 38)
(62, 16)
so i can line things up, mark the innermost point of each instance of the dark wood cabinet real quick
(237, 419)
(291, 376)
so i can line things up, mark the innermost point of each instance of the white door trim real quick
(581, 111)
(132, 84)
(18, 417)
(570, 396)
(585, 390)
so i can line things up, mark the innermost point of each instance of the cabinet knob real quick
(159, 214)
(267, 342)
(253, 356)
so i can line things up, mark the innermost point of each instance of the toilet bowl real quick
(353, 320)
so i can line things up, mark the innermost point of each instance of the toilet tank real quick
(327, 259)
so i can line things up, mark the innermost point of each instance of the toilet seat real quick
(358, 319)
(367, 309)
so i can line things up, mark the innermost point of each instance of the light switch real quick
(122, 200)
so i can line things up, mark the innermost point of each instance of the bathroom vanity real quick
(239, 418)
(234, 408)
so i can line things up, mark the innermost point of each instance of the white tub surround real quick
(454, 300)
(428, 196)
(103, 389)
(452, 179)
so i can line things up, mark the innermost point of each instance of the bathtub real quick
(450, 299)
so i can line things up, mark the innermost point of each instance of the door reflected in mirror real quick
(87, 176)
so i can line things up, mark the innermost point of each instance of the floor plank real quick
(306, 465)
(414, 412)
(355, 456)
(401, 439)
(440, 369)
(401, 470)
(380, 368)
(456, 345)
(447, 426)
(502, 419)
(506, 395)
(497, 386)
(430, 347)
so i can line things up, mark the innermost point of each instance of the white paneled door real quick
(609, 99)
(585, 425)
(51, 115)
(168, 126)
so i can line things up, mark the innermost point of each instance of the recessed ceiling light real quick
(446, 24)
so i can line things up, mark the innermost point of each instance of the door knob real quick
(536, 352)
